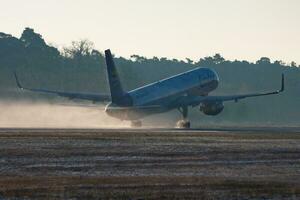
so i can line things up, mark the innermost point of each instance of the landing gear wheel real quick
(136, 124)
(183, 124)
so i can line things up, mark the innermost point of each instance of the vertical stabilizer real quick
(118, 95)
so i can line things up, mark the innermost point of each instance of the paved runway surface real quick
(261, 163)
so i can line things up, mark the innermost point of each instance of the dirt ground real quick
(149, 164)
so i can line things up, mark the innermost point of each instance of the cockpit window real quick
(206, 75)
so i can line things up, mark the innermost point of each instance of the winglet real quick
(282, 83)
(17, 81)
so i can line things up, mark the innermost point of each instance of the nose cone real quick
(213, 75)
(214, 78)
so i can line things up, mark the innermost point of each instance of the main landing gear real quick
(136, 124)
(184, 123)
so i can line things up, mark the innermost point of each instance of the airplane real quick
(188, 89)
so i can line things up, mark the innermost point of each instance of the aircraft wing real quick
(194, 101)
(71, 95)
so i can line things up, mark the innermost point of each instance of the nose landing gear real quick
(184, 123)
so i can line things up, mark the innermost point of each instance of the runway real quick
(227, 163)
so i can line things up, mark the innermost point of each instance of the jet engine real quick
(212, 108)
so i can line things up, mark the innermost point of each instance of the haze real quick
(237, 29)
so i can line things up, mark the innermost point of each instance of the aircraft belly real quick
(133, 113)
(139, 113)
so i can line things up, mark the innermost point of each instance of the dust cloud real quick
(47, 115)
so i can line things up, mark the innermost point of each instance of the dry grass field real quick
(149, 164)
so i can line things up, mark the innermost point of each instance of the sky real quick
(237, 29)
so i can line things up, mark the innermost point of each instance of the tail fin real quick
(118, 96)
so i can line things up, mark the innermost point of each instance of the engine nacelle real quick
(212, 108)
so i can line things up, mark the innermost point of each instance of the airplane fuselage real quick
(163, 95)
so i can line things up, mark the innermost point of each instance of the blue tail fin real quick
(118, 96)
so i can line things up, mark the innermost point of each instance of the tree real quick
(79, 49)
(163, 59)
(263, 61)
(207, 61)
(4, 35)
(189, 61)
(138, 58)
(279, 62)
(155, 59)
(30, 38)
(96, 54)
(218, 59)
(293, 64)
